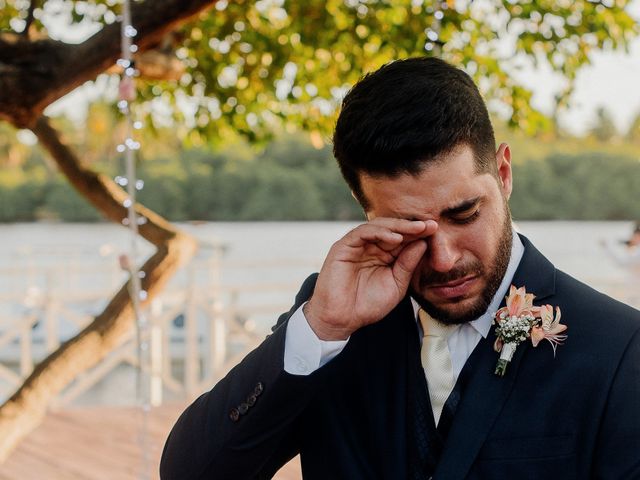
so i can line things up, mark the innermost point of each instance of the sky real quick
(611, 81)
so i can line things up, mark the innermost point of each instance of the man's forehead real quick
(432, 210)
(436, 189)
(446, 165)
(425, 205)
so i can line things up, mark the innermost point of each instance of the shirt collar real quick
(482, 324)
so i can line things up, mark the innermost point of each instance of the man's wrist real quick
(323, 330)
(304, 352)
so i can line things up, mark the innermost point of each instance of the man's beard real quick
(494, 277)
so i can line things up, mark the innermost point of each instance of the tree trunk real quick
(33, 74)
(27, 407)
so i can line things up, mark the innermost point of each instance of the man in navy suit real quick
(384, 367)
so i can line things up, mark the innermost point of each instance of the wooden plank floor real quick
(98, 443)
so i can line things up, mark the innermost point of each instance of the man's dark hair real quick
(406, 114)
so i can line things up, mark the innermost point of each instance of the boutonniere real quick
(520, 320)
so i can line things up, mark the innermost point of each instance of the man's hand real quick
(365, 275)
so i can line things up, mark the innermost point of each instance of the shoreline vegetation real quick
(287, 179)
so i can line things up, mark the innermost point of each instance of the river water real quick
(79, 261)
(27, 248)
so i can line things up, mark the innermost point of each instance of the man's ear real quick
(503, 163)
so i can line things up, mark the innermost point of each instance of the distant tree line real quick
(292, 180)
(591, 186)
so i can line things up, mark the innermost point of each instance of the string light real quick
(127, 94)
(433, 43)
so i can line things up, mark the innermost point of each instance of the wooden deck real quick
(98, 443)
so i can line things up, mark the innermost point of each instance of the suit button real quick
(259, 389)
(243, 408)
(234, 415)
(251, 400)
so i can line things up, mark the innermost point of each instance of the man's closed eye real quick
(465, 218)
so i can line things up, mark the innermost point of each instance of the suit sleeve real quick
(246, 426)
(618, 454)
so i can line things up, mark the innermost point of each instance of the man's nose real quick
(443, 251)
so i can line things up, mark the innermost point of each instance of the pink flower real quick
(550, 328)
(519, 302)
(520, 320)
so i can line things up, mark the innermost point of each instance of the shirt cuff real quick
(304, 352)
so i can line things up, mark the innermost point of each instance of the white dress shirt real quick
(304, 352)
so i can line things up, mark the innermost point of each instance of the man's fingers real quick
(390, 233)
(370, 233)
(382, 237)
(418, 228)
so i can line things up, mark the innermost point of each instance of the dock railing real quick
(201, 325)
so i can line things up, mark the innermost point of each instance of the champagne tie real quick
(436, 361)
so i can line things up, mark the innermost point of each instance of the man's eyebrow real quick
(461, 208)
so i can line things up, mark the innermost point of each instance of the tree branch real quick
(29, 20)
(156, 64)
(32, 75)
(35, 74)
(25, 409)
(99, 189)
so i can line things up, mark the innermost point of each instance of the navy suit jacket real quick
(572, 416)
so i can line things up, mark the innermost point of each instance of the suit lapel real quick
(485, 393)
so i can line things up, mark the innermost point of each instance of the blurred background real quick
(229, 120)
